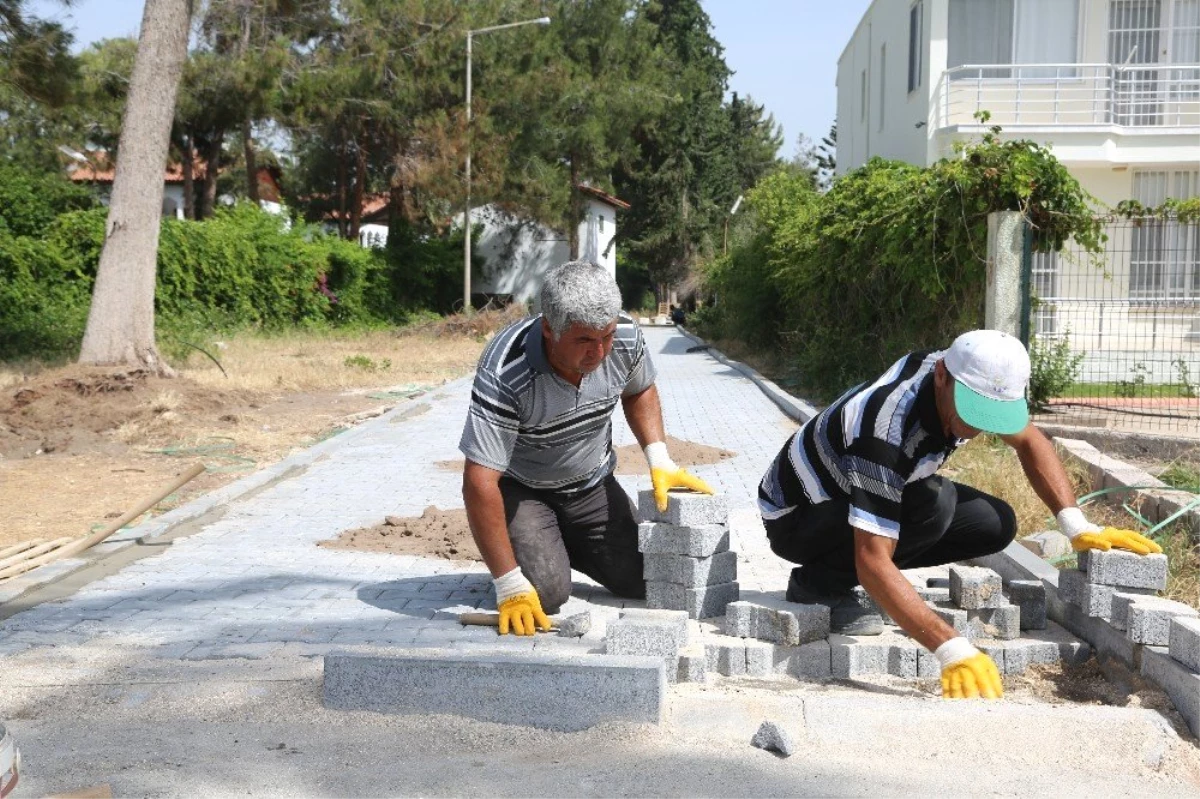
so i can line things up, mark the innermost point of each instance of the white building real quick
(517, 252)
(1112, 87)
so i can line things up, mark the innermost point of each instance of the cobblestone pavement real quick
(252, 583)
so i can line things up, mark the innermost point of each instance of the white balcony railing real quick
(1137, 95)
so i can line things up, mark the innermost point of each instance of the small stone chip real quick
(771, 736)
(575, 626)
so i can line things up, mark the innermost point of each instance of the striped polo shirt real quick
(526, 421)
(863, 449)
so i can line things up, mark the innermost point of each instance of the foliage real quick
(30, 201)
(1054, 369)
(1186, 211)
(35, 55)
(892, 258)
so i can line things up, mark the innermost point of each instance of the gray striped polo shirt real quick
(526, 421)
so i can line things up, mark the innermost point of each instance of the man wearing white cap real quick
(853, 496)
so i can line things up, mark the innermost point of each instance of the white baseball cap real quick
(991, 374)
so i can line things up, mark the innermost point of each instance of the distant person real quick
(853, 496)
(677, 315)
(538, 481)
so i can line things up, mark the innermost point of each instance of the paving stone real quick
(693, 665)
(551, 692)
(727, 658)
(575, 626)
(1030, 597)
(1124, 569)
(772, 737)
(644, 639)
(974, 587)
(684, 508)
(774, 619)
(1149, 620)
(677, 620)
(699, 603)
(701, 541)
(1122, 599)
(809, 661)
(1049, 544)
(1184, 643)
(1093, 599)
(1002, 623)
(852, 657)
(760, 659)
(689, 571)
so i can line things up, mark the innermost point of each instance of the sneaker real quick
(847, 615)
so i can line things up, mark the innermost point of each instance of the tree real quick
(826, 158)
(120, 326)
(35, 55)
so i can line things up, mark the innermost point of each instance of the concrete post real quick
(1005, 246)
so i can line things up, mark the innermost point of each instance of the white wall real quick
(893, 123)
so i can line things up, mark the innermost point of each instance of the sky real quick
(783, 52)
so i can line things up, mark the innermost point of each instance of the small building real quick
(517, 252)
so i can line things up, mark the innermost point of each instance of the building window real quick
(1165, 262)
(882, 82)
(916, 16)
(601, 223)
(1044, 33)
(862, 97)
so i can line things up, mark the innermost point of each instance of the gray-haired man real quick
(538, 482)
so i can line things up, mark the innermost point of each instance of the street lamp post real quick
(732, 211)
(467, 209)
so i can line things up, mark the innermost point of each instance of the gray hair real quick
(579, 292)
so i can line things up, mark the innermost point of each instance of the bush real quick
(1054, 370)
(891, 259)
(30, 202)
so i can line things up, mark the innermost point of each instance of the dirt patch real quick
(630, 459)
(80, 446)
(435, 533)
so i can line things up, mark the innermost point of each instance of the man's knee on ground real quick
(553, 587)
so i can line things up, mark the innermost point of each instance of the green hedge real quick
(891, 259)
(242, 268)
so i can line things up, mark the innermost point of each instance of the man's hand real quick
(967, 673)
(1113, 538)
(519, 606)
(1085, 535)
(665, 475)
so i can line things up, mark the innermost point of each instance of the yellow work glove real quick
(967, 673)
(665, 475)
(519, 606)
(1085, 535)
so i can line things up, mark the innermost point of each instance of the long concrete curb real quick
(197, 509)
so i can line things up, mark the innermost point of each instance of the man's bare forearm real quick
(485, 514)
(1043, 468)
(888, 587)
(644, 413)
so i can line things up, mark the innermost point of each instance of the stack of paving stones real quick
(688, 563)
(1122, 589)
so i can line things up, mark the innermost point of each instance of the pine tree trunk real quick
(360, 179)
(120, 327)
(212, 168)
(576, 216)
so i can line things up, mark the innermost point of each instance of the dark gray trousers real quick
(591, 531)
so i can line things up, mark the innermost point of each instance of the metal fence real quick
(1125, 323)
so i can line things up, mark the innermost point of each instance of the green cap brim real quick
(1003, 417)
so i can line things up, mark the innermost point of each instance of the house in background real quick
(1112, 87)
(100, 172)
(517, 252)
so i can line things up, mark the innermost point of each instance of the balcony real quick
(1158, 97)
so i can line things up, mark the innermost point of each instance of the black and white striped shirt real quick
(526, 421)
(864, 448)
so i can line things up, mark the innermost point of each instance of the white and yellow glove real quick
(1085, 535)
(967, 673)
(665, 475)
(519, 606)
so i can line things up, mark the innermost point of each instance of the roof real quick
(603, 197)
(100, 169)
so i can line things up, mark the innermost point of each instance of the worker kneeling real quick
(538, 481)
(853, 496)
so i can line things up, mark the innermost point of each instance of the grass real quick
(1126, 390)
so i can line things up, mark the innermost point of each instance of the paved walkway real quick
(253, 583)
(192, 672)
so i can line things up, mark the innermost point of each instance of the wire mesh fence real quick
(1116, 335)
